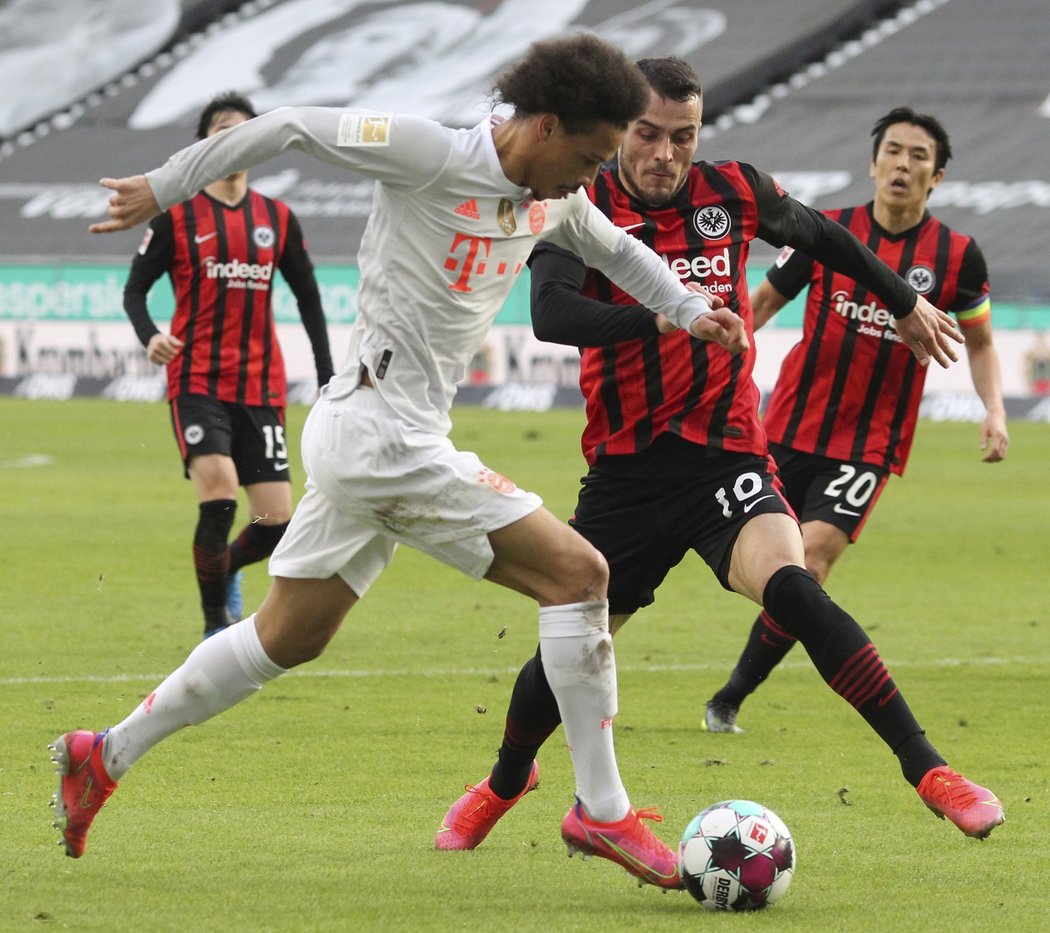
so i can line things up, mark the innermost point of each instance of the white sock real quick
(578, 658)
(220, 672)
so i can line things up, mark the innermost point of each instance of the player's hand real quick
(928, 332)
(131, 203)
(163, 348)
(994, 438)
(715, 301)
(724, 327)
(665, 325)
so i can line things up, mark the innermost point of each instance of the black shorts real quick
(840, 493)
(253, 436)
(645, 511)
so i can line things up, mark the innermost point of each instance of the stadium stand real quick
(792, 87)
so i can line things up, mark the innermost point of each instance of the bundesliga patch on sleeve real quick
(359, 129)
(144, 245)
(785, 255)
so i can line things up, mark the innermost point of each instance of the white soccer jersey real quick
(447, 236)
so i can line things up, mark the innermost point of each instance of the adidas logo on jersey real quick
(469, 209)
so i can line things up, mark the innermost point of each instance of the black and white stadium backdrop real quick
(794, 91)
(793, 88)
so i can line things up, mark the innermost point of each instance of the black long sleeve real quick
(298, 271)
(561, 314)
(152, 260)
(785, 221)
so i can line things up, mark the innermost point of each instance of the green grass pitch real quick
(313, 805)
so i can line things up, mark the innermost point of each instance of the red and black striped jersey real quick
(221, 261)
(850, 389)
(638, 389)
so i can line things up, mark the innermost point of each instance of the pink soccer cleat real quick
(472, 817)
(629, 843)
(83, 786)
(974, 809)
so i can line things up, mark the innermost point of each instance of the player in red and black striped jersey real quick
(677, 456)
(226, 378)
(842, 415)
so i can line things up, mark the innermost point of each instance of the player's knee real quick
(794, 598)
(825, 544)
(304, 646)
(312, 646)
(291, 637)
(585, 574)
(819, 564)
(802, 609)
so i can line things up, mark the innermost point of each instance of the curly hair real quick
(221, 103)
(671, 78)
(923, 120)
(581, 79)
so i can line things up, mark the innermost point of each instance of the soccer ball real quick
(737, 855)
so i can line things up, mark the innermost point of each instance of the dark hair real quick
(228, 100)
(671, 78)
(581, 79)
(931, 124)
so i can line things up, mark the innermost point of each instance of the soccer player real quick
(226, 378)
(455, 216)
(842, 415)
(677, 455)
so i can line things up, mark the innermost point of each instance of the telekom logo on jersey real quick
(469, 256)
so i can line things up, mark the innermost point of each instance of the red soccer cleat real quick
(83, 786)
(629, 843)
(974, 809)
(472, 817)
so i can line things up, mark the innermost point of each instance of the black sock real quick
(255, 542)
(765, 649)
(215, 618)
(211, 555)
(850, 664)
(531, 719)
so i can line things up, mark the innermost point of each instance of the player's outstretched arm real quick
(929, 332)
(131, 203)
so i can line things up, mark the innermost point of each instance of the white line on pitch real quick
(487, 672)
(27, 462)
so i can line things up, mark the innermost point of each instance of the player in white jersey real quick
(446, 238)
(455, 214)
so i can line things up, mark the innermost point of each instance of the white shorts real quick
(374, 481)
